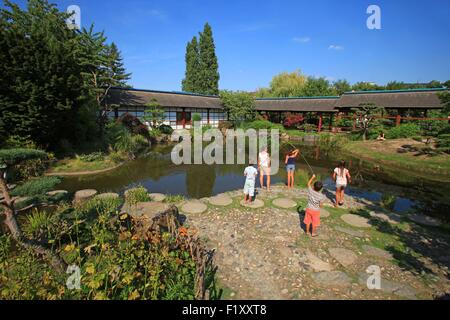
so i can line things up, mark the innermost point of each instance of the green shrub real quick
(39, 225)
(165, 129)
(136, 195)
(196, 117)
(404, 131)
(262, 124)
(36, 187)
(173, 198)
(92, 157)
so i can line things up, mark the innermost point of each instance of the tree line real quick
(296, 84)
(54, 80)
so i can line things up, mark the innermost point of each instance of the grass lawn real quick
(386, 153)
(78, 165)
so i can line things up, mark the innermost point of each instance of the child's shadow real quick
(330, 196)
(301, 217)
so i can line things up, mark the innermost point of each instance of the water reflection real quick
(156, 172)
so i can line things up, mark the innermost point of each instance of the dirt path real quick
(264, 253)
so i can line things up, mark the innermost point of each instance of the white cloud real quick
(335, 47)
(301, 39)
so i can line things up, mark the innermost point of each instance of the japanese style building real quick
(180, 106)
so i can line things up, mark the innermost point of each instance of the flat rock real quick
(324, 213)
(56, 192)
(376, 252)
(84, 195)
(356, 221)
(253, 205)
(391, 218)
(315, 262)
(284, 203)
(343, 256)
(108, 195)
(220, 200)
(350, 232)
(425, 220)
(150, 213)
(194, 207)
(332, 278)
(399, 289)
(157, 197)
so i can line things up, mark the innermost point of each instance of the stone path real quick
(256, 204)
(221, 201)
(157, 197)
(284, 203)
(265, 254)
(356, 221)
(194, 207)
(84, 195)
(425, 220)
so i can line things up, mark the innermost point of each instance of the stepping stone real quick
(332, 278)
(220, 200)
(324, 213)
(57, 192)
(399, 289)
(194, 207)
(109, 195)
(425, 220)
(391, 218)
(343, 256)
(350, 232)
(376, 252)
(315, 262)
(284, 203)
(254, 205)
(84, 195)
(356, 221)
(150, 214)
(157, 197)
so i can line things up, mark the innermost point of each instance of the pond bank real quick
(264, 253)
(386, 153)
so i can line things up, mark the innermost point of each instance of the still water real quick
(156, 172)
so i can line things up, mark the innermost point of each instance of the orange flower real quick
(183, 232)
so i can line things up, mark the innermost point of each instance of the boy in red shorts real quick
(315, 202)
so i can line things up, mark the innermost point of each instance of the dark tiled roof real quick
(323, 104)
(393, 99)
(131, 97)
(414, 99)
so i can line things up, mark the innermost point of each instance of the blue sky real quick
(257, 39)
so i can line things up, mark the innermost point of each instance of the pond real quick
(399, 190)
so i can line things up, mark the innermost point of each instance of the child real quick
(249, 187)
(315, 202)
(342, 177)
(264, 164)
(290, 166)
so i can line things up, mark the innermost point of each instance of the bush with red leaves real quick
(293, 121)
(134, 125)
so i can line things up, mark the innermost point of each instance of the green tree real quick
(42, 90)
(288, 84)
(318, 87)
(239, 105)
(209, 68)
(366, 86)
(342, 86)
(154, 114)
(366, 117)
(191, 80)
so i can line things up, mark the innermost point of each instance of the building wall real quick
(215, 115)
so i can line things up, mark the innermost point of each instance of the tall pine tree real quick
(209, 67)
(191, 80)
(202, 74)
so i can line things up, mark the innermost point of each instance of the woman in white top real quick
(264, 167)
(342, 177)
